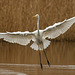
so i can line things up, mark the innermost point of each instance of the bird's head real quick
(37, 16)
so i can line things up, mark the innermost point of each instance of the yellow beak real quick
(34, 16)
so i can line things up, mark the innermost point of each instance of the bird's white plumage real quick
(22, 38)
(38, 36)
(46, 43)
(58, 28)
(34, 46)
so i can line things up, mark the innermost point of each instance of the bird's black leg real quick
(46, 58)
(40, 60)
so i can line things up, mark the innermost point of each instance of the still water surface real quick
(20, 60)
(29, 69)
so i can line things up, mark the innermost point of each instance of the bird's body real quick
(39, 36)
(39, 39)
(39, 42)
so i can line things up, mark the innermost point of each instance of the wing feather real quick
(58, 28)
(22, 38)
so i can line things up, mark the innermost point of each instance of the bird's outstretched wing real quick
(58, 28)
(22, 38)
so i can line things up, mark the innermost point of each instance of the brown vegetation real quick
(16, 15)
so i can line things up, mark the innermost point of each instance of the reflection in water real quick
(45, 66)
(23, 59)
(58, 53)
(9, 72)
(29, 69)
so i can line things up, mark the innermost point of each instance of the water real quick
(20, 60)
(9, 72)
(29, 69)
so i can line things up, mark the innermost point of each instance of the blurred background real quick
(16, 15)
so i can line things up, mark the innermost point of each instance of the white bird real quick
(38, 36)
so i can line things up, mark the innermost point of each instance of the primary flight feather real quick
(38, 36)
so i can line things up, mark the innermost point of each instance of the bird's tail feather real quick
(34, 46)
(37, 47)
(46, 43)
(41, 46)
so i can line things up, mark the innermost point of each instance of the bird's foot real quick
(41, 66)
(48, 63)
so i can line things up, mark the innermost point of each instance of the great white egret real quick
(38, 36)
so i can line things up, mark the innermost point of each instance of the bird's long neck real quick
(38, 24)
